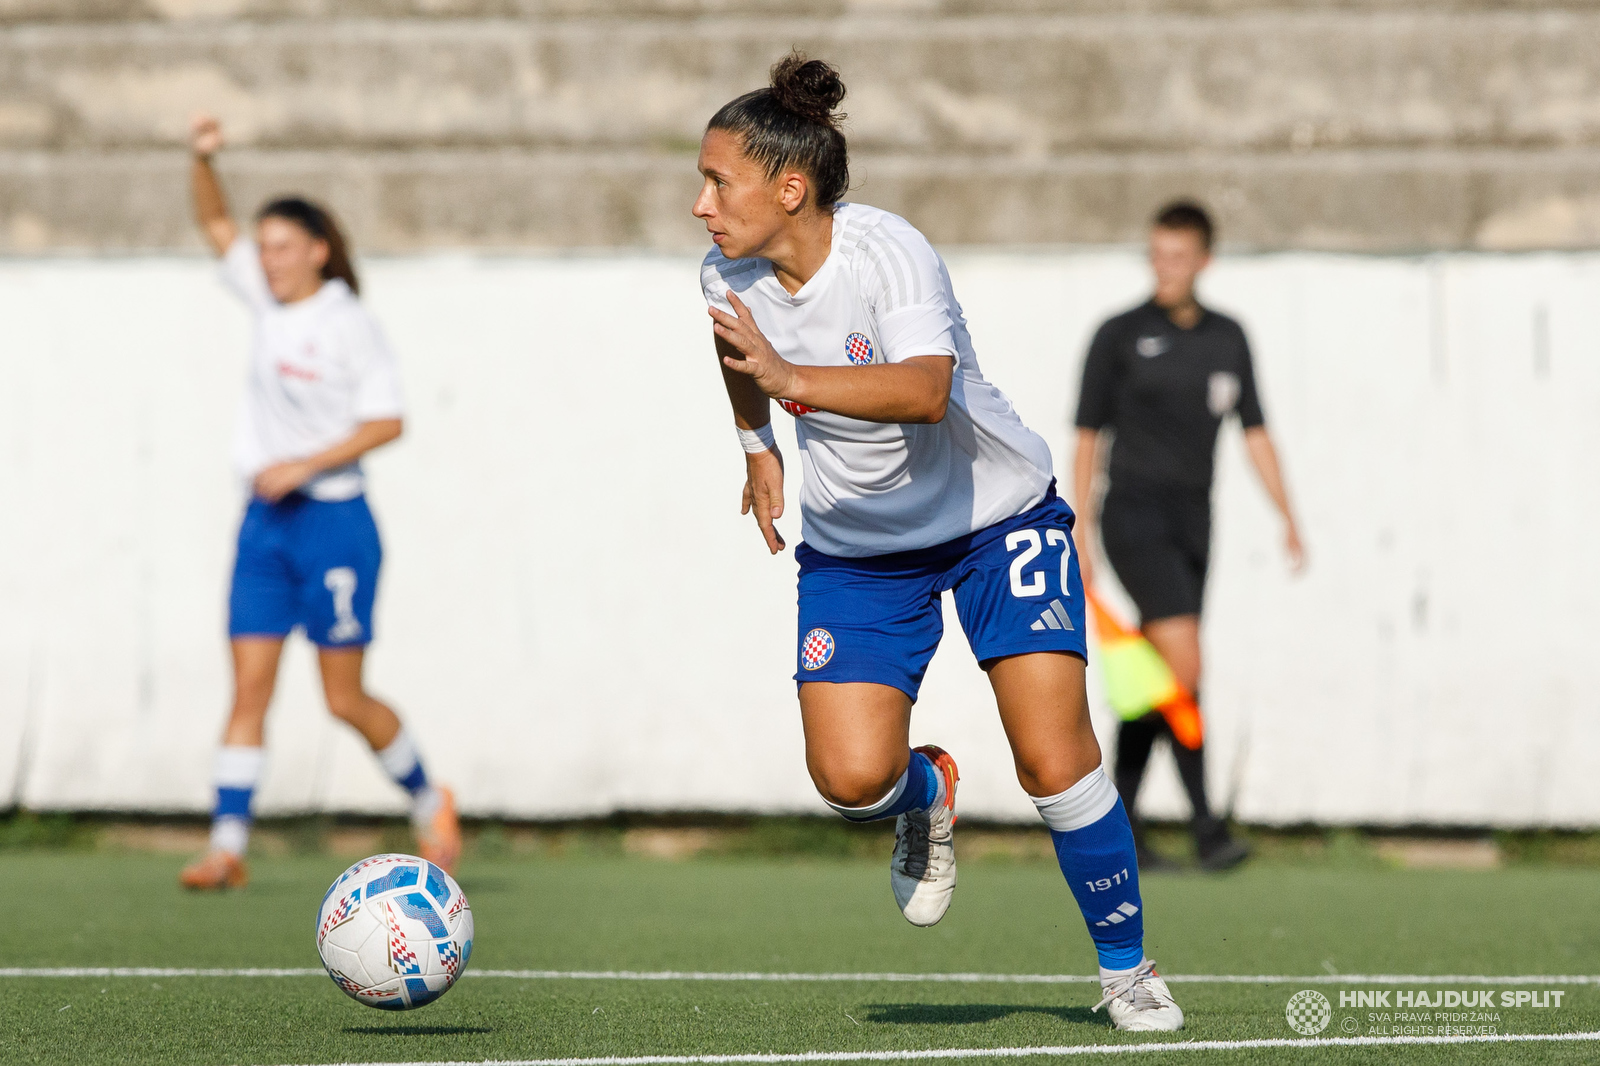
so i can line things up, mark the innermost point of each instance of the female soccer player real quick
(1162, 377)
(919, 478)
(323, 390)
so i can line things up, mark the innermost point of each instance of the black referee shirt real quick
(1165, 391)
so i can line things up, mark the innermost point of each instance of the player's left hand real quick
(772, 373)
(280, 479)
(763, 495)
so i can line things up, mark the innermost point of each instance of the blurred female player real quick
(323, 390)
(919, 478)
(1161, 378)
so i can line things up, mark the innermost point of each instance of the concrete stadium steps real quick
(212, 10)
(408, 201)
(1026, 86)
(1372, 125)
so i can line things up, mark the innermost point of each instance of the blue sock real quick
(238, 769)
(1094, 845)
(917, 790)
(233, 802)
(403, 764)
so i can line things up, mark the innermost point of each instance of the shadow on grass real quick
(970, 1013)
(416, 1030)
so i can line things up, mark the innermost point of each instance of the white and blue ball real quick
(394, 932)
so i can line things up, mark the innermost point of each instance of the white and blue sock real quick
(919, 788)
(238, 770)
(1094, 845)
(401, 762)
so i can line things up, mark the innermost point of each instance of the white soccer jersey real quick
(882, 296)
(318, 369)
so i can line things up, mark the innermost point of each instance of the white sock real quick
(401, 761)
(1084, 804)
(237, 772)
(231, 835)
(239, 766)
(425, 804)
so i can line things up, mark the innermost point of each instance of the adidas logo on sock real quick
(1053, 617)
(1121, 914)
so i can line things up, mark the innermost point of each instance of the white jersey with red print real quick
(318, 369)
(883, 296)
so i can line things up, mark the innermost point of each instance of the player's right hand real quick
(763, 494)
(757, 359)
(205, 134)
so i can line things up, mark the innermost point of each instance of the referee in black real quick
(1157, 384)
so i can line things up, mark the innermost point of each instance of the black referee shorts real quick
(1158, 540)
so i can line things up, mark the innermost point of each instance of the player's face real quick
(291, 258)
(1176, 258)
(743, 209)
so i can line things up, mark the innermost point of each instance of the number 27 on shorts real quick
(1032, 542)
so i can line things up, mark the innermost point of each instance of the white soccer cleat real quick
(923, 869)
(1141, 1002)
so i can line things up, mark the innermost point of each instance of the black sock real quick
(1134, 741)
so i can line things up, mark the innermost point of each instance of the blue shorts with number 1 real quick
(879, 618)
(308, 563)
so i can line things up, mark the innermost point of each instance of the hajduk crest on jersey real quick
(858, 349)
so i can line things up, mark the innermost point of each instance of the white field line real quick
(1019, 1052)
(866, 978)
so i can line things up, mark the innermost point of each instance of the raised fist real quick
(205, 134)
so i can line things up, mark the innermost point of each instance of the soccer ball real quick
(394, 932)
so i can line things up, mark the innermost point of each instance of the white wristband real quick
(759, 439)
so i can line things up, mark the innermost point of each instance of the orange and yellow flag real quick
(1138, 680)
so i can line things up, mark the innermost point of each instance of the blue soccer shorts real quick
(879, 618)
(309, 563)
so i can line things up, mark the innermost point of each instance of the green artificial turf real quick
(769, 915)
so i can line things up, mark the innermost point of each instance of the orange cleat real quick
(439, 839)
(214, 872)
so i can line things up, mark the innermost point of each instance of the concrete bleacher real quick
(1366, 125)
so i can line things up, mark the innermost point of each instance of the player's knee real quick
(852, 793)
(853, 786)
(1053, 773)
(347, 706)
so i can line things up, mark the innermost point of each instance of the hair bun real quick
(809, 88)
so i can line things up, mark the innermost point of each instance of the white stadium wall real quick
(575, 620)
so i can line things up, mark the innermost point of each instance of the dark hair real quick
(1186, 214)
(317, 221)
(792, 123)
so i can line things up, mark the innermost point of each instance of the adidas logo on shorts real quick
(1053, 617)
